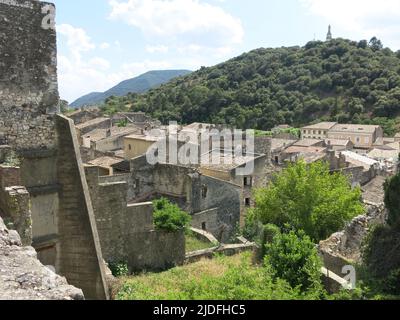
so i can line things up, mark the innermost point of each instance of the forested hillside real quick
(338, 80)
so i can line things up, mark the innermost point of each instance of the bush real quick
(294, 258)
(381, 260)
(392, 199)
(119, 269)
(169, 217)
(309, 198)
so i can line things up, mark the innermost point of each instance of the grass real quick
(194, 244)
(222, 278)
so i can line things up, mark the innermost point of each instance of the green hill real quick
(339, 80)
(139, 84)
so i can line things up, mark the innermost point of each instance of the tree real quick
(294, 258)
(169, 217)
(392, 199)
(375, 44)
(309, 198)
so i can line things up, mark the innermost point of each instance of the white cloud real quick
(180, 23)
(361, 18)
(77, 39)
(105, 45)
(79, 72)
(157, 49)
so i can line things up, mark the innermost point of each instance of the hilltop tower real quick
(329, 35)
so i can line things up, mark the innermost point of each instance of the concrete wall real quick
(79, 256)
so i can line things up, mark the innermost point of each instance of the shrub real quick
(309, 198)
(294, 258)
(392, 199)
(169, 217)
(12, 160)
(119, 269)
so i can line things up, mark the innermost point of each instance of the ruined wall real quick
(127, 231)
(15, 203)
(206, 220)
(23, 277)
(222, 195)
(263, 145)
(344, 247)
(79, 256)
(28, 73)
(29, 99)
(82, 116)
(172, 179)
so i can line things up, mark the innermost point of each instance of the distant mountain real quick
(139, 84)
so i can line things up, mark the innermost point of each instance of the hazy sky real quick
(102, 42)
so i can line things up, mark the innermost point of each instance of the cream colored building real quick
(317, 131)
(138, 145)
(362, 136)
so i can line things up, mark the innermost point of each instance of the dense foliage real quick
(392, 199)
(294, 257)
(309, 198)
(381, 252)
(338, 80)
(169, 217)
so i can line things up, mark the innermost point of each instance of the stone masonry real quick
(23, 277)
(63, 228)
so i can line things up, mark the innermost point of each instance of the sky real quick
(103, 42)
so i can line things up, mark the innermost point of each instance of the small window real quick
(247, 181)
(204, 191)
(204, 226)
(130, 147)
(247, 202)
(276, 159)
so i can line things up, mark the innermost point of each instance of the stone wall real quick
(126, 231)
(81, 116)
(23, 277)
(28, 73)
(344, 247)
(206, 220)
(79, 256)
(15, 203)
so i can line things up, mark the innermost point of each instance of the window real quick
(204, 226)
(367, 140)
(204, 191)
(276, 159)
(358, 139)
(247, 202)
(247, 181)
(130, 147)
